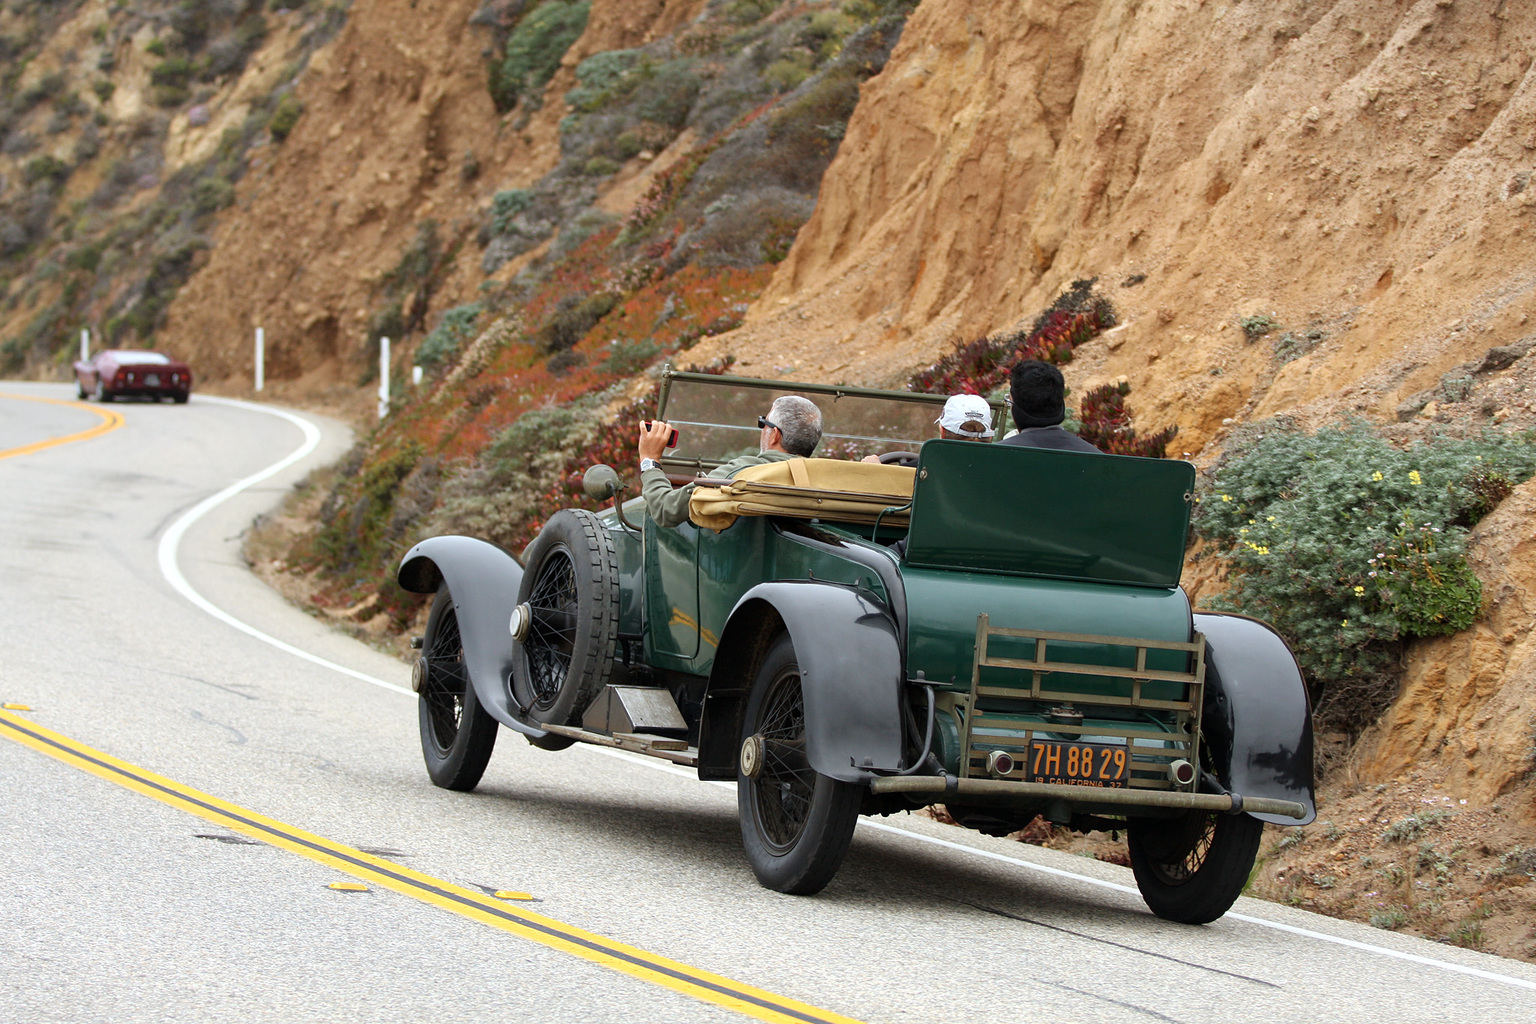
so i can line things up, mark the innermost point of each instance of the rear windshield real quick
(716, 418)
(141, 359)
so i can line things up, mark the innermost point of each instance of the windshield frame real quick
(811, 390)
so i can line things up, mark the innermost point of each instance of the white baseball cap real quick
(963, 409)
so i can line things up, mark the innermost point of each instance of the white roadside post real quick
(416, 376)
(383, 377)
(261, 358)
(85, 344)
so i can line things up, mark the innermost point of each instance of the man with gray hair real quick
(791, 430)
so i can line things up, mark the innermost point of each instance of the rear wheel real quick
(571, 587)
(1192, 869)
(457, 735)
(795, 822)
(102, 394)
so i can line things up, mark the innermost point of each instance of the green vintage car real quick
(1025, 649)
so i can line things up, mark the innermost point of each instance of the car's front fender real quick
(850, 675)
(1257, 718)
(483, 581)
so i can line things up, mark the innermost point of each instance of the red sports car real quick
(119, 373)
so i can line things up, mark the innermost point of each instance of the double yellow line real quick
(110, 421)
(648, 967)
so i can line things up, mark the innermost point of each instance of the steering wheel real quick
(899, 459)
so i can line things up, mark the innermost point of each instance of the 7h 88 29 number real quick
(1079, 764)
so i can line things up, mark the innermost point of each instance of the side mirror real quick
(601, 482)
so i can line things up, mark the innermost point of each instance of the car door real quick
(672, 595)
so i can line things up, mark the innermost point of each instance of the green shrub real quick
(1349, 546)
(667, 94)
(534, 49)
(1256, 326)
(628, 145)
(806, 130)
(599, 77)
(506, 205)
(212, 194)
(789, 70)
(45, 168)
(103, 88)
(156, 46)
(443, 342)
(572, 319)
(625, 359)
(599, 167)
(284, 116)
(171, 71)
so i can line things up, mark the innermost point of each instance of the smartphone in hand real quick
(671, 438)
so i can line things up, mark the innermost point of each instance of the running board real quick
(665, 747)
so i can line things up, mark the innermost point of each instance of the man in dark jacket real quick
(1039, 406)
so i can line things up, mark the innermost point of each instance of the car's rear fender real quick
(850, 674)
(483, 580)
(1257, 719)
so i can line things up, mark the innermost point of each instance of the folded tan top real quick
(830, 489)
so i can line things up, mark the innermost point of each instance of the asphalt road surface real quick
(188, 766)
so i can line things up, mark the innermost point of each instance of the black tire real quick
(796, 824)
(571, 586)
(457, 735)
(1193, 868)
(102, 394)
(181, 397)
(80, 391)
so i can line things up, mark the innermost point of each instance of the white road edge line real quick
(171, 541)
(168, 568)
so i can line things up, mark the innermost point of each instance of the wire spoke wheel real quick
(1193, 868)
(551, 638)
(784, 789)
(1180, 869)
(457, 734)
(447, 681)
(795, 822)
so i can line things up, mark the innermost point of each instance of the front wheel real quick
(1192, 868)
(571, 587)
(796, 823)
(457, 734)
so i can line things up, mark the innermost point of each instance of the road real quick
(188, 765)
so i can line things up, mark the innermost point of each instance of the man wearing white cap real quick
(966, 418)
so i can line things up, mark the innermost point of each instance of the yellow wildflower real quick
(1414, 478)
(1376, 477)
(1226, 497)
(1359, 591)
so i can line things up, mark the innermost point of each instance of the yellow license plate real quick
(1079, 764)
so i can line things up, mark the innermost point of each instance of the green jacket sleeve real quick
(669, 507)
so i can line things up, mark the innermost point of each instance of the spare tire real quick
(571, 587)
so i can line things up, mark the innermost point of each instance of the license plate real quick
(1079, 764)
(153, 380)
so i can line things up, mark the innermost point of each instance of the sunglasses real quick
(764, 421)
